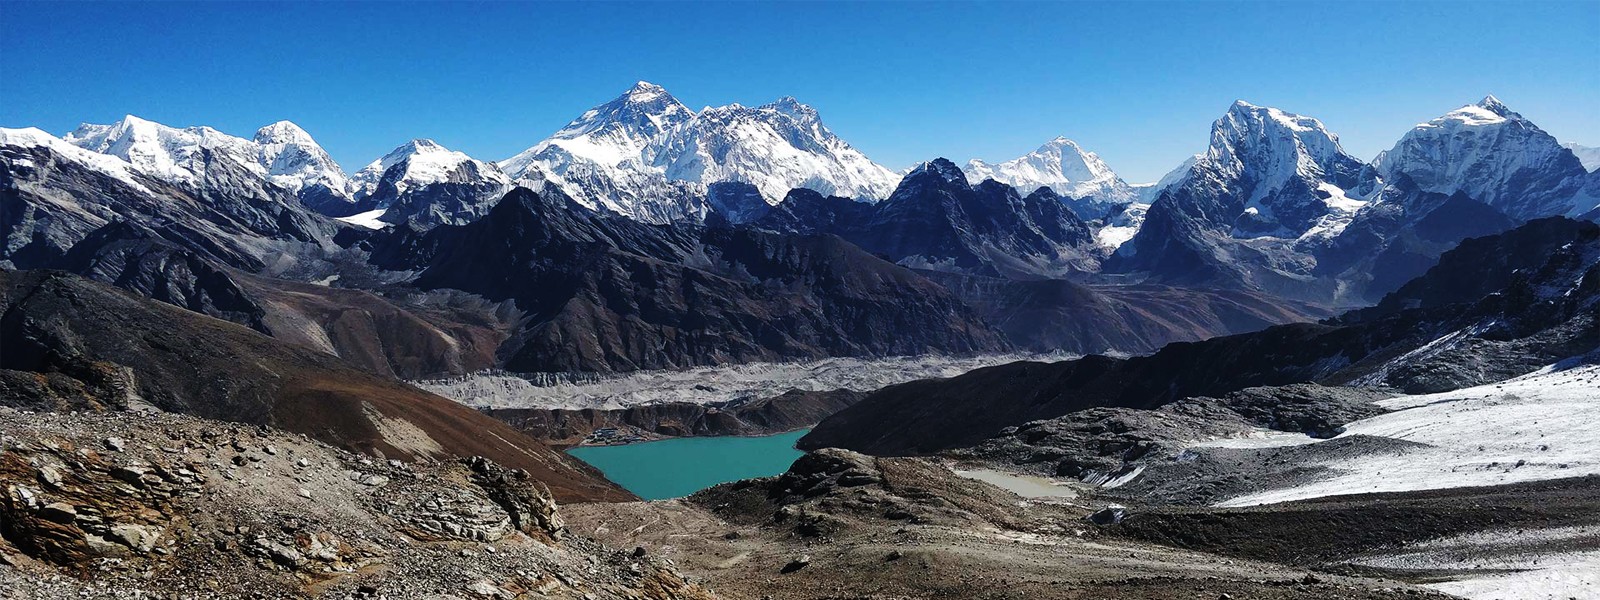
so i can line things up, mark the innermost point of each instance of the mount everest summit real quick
(628, 155)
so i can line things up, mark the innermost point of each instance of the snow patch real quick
(1534, 427)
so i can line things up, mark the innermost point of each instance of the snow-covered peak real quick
(32, 137)
(1493, 155)
(1283, 157)
(775, 147)
(295, 161)
(1061, 165)
(168, 153)
(607, 135)
(422, 162)
(1494, 105)
(644, 147)
(644, 91)
(283, 132)
(1274, 143)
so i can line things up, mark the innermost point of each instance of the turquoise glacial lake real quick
(681, 466)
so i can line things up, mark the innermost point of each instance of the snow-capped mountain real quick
(1494, 156)
(281, 153)
(32, 137)
(776, 147)
(295, 161)
(610, 135)
(602, 158)
(1078, 175)
(1475, 171)
(1588, 156)
(1293, 165)
(647, 156)
(1268, 181)
(427, 183)
(170, 154)
(179, 193)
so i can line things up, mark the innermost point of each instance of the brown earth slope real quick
(130, 352)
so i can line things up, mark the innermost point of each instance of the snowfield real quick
(1532, 575)
(1534, 427)
(705, 384)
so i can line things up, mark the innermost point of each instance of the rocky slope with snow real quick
(1269, 181)
(1474, 171)
(1080, 177)
(428, 184)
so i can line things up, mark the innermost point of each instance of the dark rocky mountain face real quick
(140, 260)
(1456, 336)
(1401, 235)
(735, 203)
(935, 220)
(99, 347)
(605, 293)
(1049, 315)
(805, 211)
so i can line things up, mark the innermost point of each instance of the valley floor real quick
(703, 385)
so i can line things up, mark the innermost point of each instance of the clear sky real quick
(1139, 83)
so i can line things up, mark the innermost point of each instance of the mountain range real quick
(684, 219)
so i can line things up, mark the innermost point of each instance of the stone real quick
(374, 480)
(486, 589)
(59, 512)
(1110, 515)
(115, 444)
(141, 538)
(797, 564)
(50, 477)
(133, 475)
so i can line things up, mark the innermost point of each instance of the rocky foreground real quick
(131, 505)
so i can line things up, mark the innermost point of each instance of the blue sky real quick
(1139, 83)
